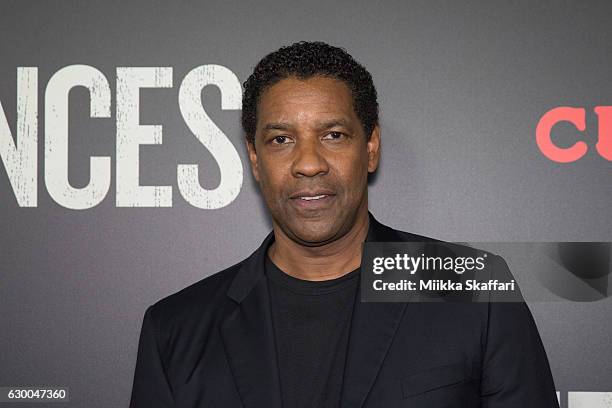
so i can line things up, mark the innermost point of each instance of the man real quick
(285, 327)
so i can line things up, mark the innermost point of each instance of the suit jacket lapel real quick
(372, 330)
(373, 327)
(248, 335)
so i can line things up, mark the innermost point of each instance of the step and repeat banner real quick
(124, 175)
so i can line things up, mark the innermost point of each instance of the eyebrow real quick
(333, 123)
(321, 125)
(277, 126)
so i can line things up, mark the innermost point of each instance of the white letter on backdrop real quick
(205, 130)
(56, 136)
(21, 158)
(131, 134)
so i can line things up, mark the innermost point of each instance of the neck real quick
(324, 262)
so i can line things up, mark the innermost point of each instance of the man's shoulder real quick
(200, 298)
(389, 234)
(411, 237)
(394, 235)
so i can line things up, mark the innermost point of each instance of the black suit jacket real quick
(212, 345)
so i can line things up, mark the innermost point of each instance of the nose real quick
(309, 159)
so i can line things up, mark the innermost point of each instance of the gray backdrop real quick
(462, 86)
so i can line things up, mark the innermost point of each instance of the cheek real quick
(354, 178)
(271, 182)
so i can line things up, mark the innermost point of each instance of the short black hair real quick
(304, 60)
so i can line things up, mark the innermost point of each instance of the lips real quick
(310, 195)
(313, 200)
(318, 197)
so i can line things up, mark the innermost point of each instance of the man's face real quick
(311, 158)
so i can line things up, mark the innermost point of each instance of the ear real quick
(374, 149)
(253, 158)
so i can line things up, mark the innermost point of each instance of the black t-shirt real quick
(311, 325)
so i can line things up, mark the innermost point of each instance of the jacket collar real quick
(248, 334)
(252, 268)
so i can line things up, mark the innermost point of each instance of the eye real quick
(280, 139)
(334, 136)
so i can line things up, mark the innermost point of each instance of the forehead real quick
(306, 100)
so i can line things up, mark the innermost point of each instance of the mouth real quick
(312, 194)
(310, 198)
(313, 199)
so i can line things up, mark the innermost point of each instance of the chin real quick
(315, 234)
